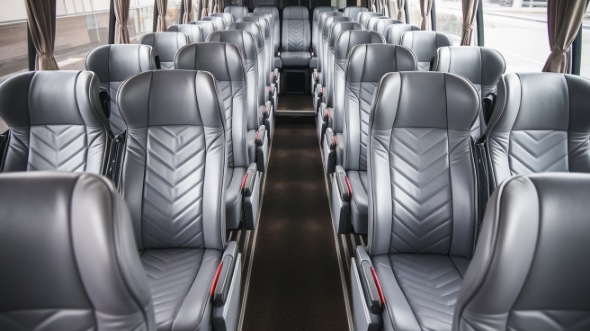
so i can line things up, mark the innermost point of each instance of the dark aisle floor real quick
(295, 281)
(295, 102)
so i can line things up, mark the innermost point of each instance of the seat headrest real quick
(401, 95)
(274, 11)
(338, 28)
(222, 60)
(262, 21)
(395, 32)
(295, 13)
(348, 39)
(425, 43)
(227, 17)
(52, 98)
(72, 253)
(194, 32)
(218, 21)
(317, 11)
(115, 63)
(329, 21)
(481, 65)
(165, 44)
(171, 97)
(251, 27)
(236, 11)
(243, 39)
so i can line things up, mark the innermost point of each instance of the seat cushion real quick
(360, 201)
(180, 281)
(295, 59)
(420, 290)
(233, 196)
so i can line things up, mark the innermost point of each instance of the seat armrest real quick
(371, 287)
(330, 157)
(249, 180)
(261, 141)
(344, 189)
(224, 274)
(331, 139)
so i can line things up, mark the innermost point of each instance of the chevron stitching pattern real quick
(226, 89)
(295, 35)
(116, 119)
(170, 273)
(173, 189)
(422, 211)
(366, 93)
(431, 284)
(58, 147)
(534, 151)
(550, 320)
(47, 319)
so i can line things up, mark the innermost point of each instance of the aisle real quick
(295, 281)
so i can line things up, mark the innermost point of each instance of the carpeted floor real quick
(295, 281)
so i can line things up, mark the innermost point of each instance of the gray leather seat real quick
(113, 64)
(382, 26)
(219, 22)
(526, 272)
(55, 122)
(276, 29)
(367, 63)
(423, 214)
(296, 39)
(207, 26)
(354, 11)
(227, 17)
(76, 266)
(372, 22)
(193, 32)
(333, 116)
(255, 96)
(172, 175)
(165, 44)
(268, 44)
(236, 11)
(424, 44)
(224, 62)
(482, 66)
(395, 32)
(319, 54)
(317, 11)
(276, 42)
(541, 124)
(363, 18)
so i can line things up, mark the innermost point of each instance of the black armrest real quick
(249, 180)
(343, 184)
(331, 138)
(267, 109)
(371, 288)
(224, 273)
(260, 135)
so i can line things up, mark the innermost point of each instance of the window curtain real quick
(161, 4)
(122, 16)
(425, 9)
(41, 16)
(188, 11)
(469, 11)
(401, 13)
(564, 19)
(204, 12)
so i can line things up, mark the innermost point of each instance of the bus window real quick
(449, 19)
(13, 38)
(585, 69)
(518, 29)
(414, 15)
(173, 12)
(141, 19)
(81, 26)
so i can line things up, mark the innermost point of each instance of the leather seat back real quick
(249, 51)
(326, 29)
(227, 17)
(175, 151)
(276, 30)
(395, 32)
(421, 169)
(165, 44)
(296, 29)
(367, 64)
(275, 41)
(208, 27)
(540, 124)
(55, 122)
(424, 44)
(354, 11)
(113, 64)
(321, 23)
(363, 18)
(373, 21)
(344, 44)
(317, 11)
(482, 66)
(219, 22)
(335, 32)
(268, 42)
(382, 26)
(224, 62)
(528, 271)
(193, 32)
(236, 11)
(69, 263)
(256, 32)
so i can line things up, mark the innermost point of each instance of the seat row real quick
(171, 168)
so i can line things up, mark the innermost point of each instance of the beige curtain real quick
(205, 11)
(401, 13)
(564, 19)
(425, 9)
(469, 11)
(161, 4)
(41, 16)
(122, 15)
(197, 9)
(188, 11)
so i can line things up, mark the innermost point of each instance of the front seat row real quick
(175, 150)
